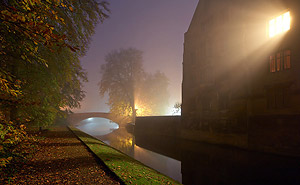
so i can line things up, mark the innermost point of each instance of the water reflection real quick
(97, 126)
(198, 163)
(166, 165)
(125, 142)
(211, 164)
(120, 139)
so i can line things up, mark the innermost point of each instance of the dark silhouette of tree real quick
(130, 89)
(121, 74)
(177, 108)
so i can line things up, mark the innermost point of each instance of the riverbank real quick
(60, 158)
(128, 169)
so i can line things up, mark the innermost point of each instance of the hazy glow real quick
(279, 24)
(98, 126)
(138, 110)
(142, 110)
(173, 112)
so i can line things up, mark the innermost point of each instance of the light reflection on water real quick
(119, 138)
(97, 126)
(124, 141)
(202, 163)
(163, 164)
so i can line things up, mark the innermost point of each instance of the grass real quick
(129, 170)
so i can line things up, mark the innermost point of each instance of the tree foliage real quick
(42, 41)
(15, 142)
(130, 89)
(177, 108)
(154, 90)
(40, 70)
(121, 75)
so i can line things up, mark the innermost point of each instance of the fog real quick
(98, 126)
(155, 27)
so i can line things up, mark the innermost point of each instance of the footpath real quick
(61, 159)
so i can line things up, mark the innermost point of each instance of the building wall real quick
(226, 72)
(157, 126)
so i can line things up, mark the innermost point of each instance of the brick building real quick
(241, 75)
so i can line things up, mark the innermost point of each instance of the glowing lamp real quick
(279, 24)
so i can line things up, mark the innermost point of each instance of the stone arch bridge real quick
(75, 118)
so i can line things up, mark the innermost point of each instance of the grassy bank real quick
(128, 169)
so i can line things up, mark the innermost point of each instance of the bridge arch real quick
(75, 118)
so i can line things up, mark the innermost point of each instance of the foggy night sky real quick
(155, 27)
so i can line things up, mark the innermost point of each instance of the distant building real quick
(241, 75)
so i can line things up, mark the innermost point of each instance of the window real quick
(278, 98)
(280, 61)
(272, 64)
(280, 24)
(287, 59)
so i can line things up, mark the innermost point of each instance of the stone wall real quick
(278, 134)
(157, 125)
(275, 133)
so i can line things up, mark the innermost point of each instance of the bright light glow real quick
(286, 21)
(173, 112)
(140, 111)
(279, 24)
(97, 126)
(272, 27)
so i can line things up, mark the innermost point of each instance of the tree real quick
(121, 75)
(130, 89)
(41, 45)
(177, 108)
(154, 94)
(40, 71)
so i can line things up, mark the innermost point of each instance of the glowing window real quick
(280, 61)
(280, 24)
(272, 64)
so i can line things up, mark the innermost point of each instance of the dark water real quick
(199, 163)
(119, 138)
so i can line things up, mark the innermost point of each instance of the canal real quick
(196, 163)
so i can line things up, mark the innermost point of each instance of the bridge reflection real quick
(204, 163)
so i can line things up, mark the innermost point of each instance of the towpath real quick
(61, 159)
